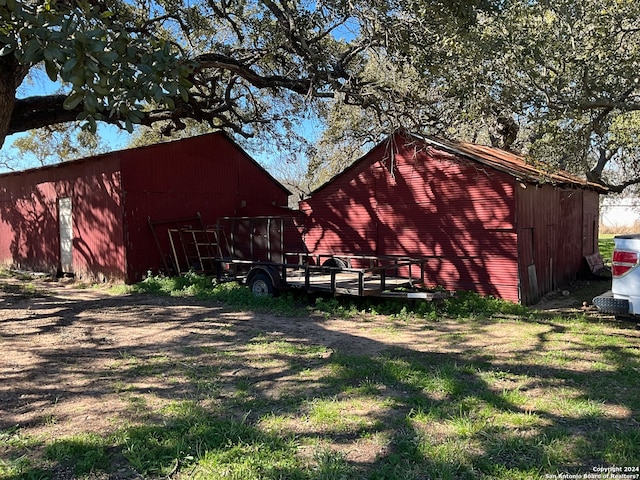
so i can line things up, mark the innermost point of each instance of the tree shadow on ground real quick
(203, 389)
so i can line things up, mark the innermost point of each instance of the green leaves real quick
(466, 69)
(73, 100)
(106, 63)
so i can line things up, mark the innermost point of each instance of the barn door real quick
(66, 234)
(529, 292)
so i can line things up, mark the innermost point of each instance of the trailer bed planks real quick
(373, 281)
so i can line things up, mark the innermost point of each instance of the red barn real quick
(487, 221)
(90, 217)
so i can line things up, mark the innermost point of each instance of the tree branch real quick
(595, 174)
(298, 85)
(619, 188)
(40, 111)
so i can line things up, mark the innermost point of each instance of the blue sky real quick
(114, 138)
(39, 84)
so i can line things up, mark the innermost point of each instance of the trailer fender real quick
(268, 272)
(335, 262)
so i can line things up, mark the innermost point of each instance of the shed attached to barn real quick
(90, 217)
(486, 220)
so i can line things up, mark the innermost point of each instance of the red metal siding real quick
(29, 230)
(28, 225)
(97, 204)
(343, 219)
(113, 195)
(557, 227)
(207, 174)
(591, 216)
(423, 203)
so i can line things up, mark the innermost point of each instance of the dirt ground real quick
(59, 344)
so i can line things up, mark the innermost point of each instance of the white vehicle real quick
(624, 297)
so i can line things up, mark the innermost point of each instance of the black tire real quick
(261, 285)
(335, 263)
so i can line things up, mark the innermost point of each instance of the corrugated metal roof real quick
(501, 160)
(73, 163)
(509, 163)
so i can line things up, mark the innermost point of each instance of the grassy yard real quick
(469, 389)
(605, 244)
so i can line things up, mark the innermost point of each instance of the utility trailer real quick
(254, 251)
(326, 273)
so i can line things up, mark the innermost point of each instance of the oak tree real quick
(239, 64)
(556, 80)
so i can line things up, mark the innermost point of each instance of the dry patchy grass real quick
(99, 386)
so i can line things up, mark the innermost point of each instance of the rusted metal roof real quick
(509, 163)
(501, 160)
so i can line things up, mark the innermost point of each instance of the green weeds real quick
(25, 289)
(230, 293)
(444, 415)
(605, 245)
(15, 461)
(87, 452)
(487, 390)
(464, 305)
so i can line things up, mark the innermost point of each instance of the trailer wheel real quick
(335, 263)
(261, 285)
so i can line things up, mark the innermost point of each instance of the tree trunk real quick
(7, 101)
(11, 76)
